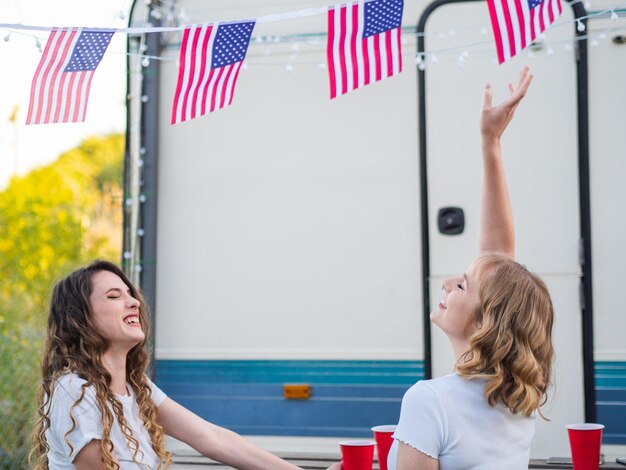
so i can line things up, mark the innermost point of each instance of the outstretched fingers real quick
(488, 97)
(525, 77)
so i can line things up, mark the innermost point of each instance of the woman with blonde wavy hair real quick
(498, 317)
(97, 408)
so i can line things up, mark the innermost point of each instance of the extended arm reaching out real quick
(496, 232)
(218, 443)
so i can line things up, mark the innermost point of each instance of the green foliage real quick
(52, 220)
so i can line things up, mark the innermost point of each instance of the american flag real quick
(210, 59)
(363, 43)
(60, 88)
(517, 23)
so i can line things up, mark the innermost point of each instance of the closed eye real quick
(460, 286)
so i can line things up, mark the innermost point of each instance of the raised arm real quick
(496, 232)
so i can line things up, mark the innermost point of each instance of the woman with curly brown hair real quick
(498, 317)
(97, 407)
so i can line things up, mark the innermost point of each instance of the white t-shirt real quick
(449, 419)
(87, 415)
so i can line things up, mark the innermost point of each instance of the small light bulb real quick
(140, 232)
(587, 5)
(421, 66)
(419, 59)
(244, 66)
(129, 201)
(140, 163)
(142, 150)
(127, 255)
(580, 25)
(7, 37)
(594, 43)
(145, 98)
(614, 16)
(145, 62)
(321, 66)
(434, 59)
(138, 268)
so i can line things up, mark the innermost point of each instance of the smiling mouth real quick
(132, 320)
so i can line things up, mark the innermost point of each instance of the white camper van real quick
(290, 244)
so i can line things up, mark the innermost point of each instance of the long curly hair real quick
(74, 345)
(512, 347)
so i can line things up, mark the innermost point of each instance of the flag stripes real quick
(517, 23)
(57, 96)
(202, 88)
(354, 60)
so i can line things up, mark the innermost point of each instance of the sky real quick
(23, 147)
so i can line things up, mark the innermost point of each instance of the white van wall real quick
(288, 224)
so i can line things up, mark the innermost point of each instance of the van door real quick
(540, 153)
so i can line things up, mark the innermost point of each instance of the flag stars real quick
(231, 43)
(382, 15)
(88, 52)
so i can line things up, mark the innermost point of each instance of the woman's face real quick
(115, 310)
(459, 302)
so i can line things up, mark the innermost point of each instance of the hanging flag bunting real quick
(210, 59)
(517, 23)
(60, 87)
(363, 43)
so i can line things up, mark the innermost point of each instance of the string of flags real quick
(363, 46)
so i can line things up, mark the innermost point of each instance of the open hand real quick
(495, 119)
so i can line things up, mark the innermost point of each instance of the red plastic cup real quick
(357, 455)
(584, 441)
(383, 435)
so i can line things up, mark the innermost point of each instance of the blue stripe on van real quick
(610, 379)
(347, 399)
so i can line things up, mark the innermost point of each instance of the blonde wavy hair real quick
(512, 347)
(73, 345)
